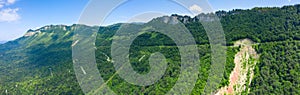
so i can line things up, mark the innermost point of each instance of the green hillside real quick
(40, 62)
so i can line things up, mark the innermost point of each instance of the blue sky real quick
(18, 16)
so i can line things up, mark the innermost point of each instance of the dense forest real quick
(278, 70)
(42, 63)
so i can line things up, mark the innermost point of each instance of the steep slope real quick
(241, 76)
(40, 58)
(278, 69)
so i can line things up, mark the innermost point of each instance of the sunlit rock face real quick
(30, 33)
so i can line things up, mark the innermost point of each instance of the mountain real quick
(2, 42)
(40, 62)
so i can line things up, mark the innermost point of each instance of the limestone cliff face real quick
(49, 28)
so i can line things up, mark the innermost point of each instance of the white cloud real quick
(9, 15)
(195, 9)
(7, 2)
(11, 1)
(2, 3)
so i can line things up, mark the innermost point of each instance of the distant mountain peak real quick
(2, 42)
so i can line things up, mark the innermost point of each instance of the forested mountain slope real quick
(40, 62)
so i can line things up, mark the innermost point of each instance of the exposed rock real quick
(29, 34)
(243, 73)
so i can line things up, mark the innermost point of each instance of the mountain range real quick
(40, 62)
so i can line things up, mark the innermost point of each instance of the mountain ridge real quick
(41, 61)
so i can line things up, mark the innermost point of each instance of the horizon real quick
(18, 23)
